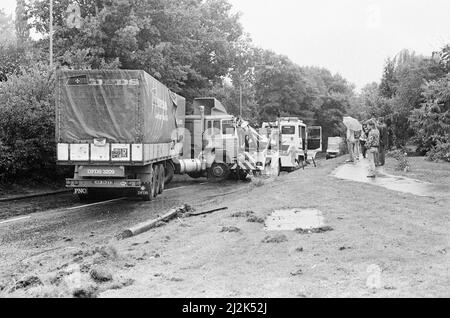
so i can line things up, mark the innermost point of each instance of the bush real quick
(27, 146)
(402, 159)
(440, 152)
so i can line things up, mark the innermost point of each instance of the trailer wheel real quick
(155, 180)
(149, 188)
(219, 171)
(169, 172)
(162, 178)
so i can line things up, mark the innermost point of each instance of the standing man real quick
(372, 144)
(363, 139)
(384, 140)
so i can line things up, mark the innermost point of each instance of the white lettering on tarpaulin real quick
(160, 107)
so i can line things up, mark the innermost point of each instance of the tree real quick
(27, 125)
(431, 122)
(388, 81)
(21, 22)
(280, 87)
(7, 26)
(189, 45)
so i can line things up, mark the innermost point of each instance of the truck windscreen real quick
(288, 130)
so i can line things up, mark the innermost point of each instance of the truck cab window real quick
(227, 127)
(288, 130)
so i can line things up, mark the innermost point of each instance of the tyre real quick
(243, 175)
(219, 171)
(149, 188)
(162, 179)
(169, 172)
(155, 180)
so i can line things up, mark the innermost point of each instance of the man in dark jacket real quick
(384, 139)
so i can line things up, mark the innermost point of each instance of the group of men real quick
(372, 141)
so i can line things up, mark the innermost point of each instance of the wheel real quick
(219, 171)
(148, 196)
(155, 180)
(162, 178)
(243, 175)
(169, 172)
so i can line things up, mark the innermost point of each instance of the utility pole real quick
(240, 100)
(51, 34)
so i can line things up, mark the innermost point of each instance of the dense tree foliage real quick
(187, 44)
(431, 122)
(7, 28)
(27, 143)
(412, 97)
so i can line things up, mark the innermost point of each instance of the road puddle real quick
(294, 219)
(358, 172)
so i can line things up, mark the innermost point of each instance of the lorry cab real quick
(210, 128)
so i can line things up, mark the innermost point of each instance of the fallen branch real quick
(207, 212)
(145, 226)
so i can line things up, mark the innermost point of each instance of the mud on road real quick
(378, 242)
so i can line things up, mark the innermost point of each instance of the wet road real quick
(39, 225)
(358, 172)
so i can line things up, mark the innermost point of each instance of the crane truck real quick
(294, 140)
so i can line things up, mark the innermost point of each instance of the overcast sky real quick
(352, 37)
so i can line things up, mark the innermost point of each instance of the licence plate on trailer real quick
(101, 182)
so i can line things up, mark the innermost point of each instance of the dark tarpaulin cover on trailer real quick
(123, 106)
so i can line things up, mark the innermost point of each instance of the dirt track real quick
(404, 236)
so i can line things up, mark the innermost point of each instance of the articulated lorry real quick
(124, 129)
